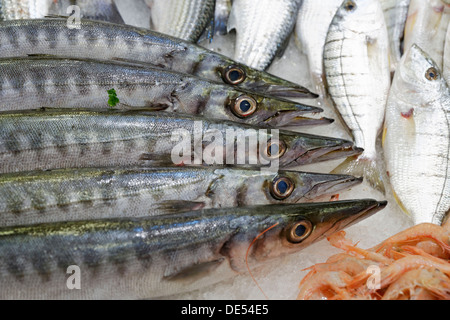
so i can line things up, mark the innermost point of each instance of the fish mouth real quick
(326, 152)
(297, 117)
(332, 184)
(286, 90)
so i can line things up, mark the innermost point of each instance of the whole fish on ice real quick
(98, 193)
(262, 29)
(356, 62)
(417, 138)
(162, 255)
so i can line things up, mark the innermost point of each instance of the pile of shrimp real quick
(411, 265)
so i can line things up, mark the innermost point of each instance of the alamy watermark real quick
(74, 20)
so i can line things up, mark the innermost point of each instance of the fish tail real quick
(362, 166)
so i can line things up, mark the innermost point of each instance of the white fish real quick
(262, 29)
(311, 30)
(395, 13)
(446, 59)
(417, 138)
(427, 25)
(356, 62)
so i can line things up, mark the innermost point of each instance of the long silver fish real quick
(396, 13)
(417, 138)
(262, 28)
(97, 193)
(427, 25)
(356, 62)
(28, 83)
(313, 21)
(180, 18)
(107, 41)
(51, 139)
(161, 255)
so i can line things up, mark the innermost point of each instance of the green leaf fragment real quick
(113, 100)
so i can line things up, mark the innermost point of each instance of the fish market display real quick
(161, 255)
(87, 194)
(108, 41)
(55, 139)
(396, 13)
(356, 62)
(262, 29)
(182, 19)
(417, 138)
(74, 83)
(314, 19)
(411, 265)
(426, 27)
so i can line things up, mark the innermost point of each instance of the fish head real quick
(418, 73)
(286, 229)
(355, 15)
(267, 111)
(291, 149)
(253, 187)
(248, 78)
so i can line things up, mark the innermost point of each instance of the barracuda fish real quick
(50, 139)
(426, 27)
(182, 19)
(396, 13)
(72, 83)
(162, 255)
(262, 28)
(417, 138)
(314, 19)
(356, 62)
(107, 41)
(93, 193)
(221, 15)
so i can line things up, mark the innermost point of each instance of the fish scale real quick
(161, 255)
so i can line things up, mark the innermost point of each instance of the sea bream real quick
(262, 29)
(97, 193)
(162, 255)
(417, 138)
(108, 41)
(313, 21)
(426, 27)
(73, 83)
(55, 139)
(396, 13)
(186, 20)
(356, 62)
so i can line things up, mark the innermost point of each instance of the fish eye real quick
(350, 5)
(244, 106)
(282, 188)
(234, 75)
(299, 231)
(275, 149)
(432, 74)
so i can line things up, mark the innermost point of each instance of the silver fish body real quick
(426, 27)
(56, 139)
(262, 29)
(161, 255)
(313, 21)
(396, 13)
(417, 138)
(356, 62)
(182, 19)
(108, 41)
(52, 82)
(96, 193)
